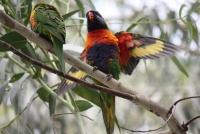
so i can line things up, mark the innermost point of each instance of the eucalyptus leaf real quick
(180, 67)
(16, 77)
(92, 96)
(2, 90)
(27, 111)
(28, 12)
(83, 105)
(88, 94)
(135, 24)
(14, 39)
(43, 94)
(180, 13)
(16, 87)
(29, 51)
(37, 74)
(80, 5)
(3, 64)
(66, 16)
(52, 104)
(117, 123)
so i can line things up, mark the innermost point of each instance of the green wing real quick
(48, 17)
(50, 25)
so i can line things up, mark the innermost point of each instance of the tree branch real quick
(50, 69)
(138, 99)
(186, 98)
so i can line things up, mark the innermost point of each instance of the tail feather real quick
(108, 111)
(58, 46)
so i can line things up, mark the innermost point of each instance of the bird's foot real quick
(109, 76)
(95, 68)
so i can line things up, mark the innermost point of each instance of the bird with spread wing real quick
(113, 54)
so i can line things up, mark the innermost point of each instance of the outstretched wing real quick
(134, 47)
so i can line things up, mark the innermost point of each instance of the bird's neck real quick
(100, 36)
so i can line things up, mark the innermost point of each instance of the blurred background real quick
(159, 80)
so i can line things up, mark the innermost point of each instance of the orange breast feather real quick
(33, 22)
(100, 36)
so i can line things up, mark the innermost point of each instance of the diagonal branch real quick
(50, 69)
(138, 99)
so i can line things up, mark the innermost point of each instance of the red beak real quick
(91, 16)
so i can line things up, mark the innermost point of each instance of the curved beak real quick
(91, 16)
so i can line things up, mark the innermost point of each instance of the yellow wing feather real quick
(148, 50)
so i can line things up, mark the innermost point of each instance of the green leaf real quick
(16, 77)
(66, 16)
(14, 39)
(135, 24)
(3, 64)
(52, 104)
(180, 67)
(192, 31)
(83, 105)
(92, 96)
(29, 9)
(2, 90)
(90, 4)
(15, 91)
(80, 5)
(117, 123)
(37, 74)
(29, 51)
(43, 94)
(88, 94)
(58, 64)
(180, 12)
(164, 36)
(6, 29)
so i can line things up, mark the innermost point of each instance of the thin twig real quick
(186, 98)
(184, 125)
(152, 130)
(73, 113)
(54, 115)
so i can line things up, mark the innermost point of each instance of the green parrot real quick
(48, 23)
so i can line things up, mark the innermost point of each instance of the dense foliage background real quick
(162, 80)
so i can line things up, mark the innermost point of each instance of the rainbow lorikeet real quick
(48, 23)
(112, 54)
